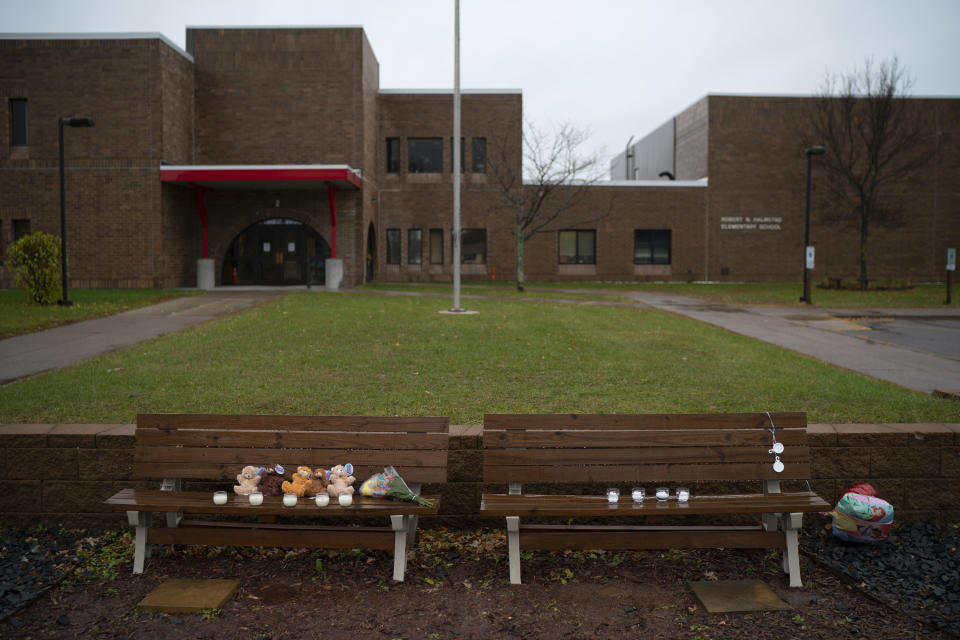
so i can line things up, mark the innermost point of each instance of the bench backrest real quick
(573, 448)
(217, 447)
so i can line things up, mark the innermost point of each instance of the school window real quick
(20, 228)
(425, 155)
(462, 152)
(18, 122)
(393, 155)
(436, 246)
(393, 246)
(414, 246)
(479, 155)
(578, 247)
(651, 246)
(473, 246)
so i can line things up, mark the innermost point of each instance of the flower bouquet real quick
(389, 484)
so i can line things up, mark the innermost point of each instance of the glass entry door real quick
(276, 252)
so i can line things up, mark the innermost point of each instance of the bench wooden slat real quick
(289, 439)
(647, 473)
(201, 502)
(597, 506)
(604, 439)
(314, 457)
(216, 471)
(639, 455)
(351, 424)
(260, 536)
(620, 538)
(613, 422)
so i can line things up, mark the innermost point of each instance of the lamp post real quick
(70, 122)
(811, 151)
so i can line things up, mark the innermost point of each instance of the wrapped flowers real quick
(389, 484)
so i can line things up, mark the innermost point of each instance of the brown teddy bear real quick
(248, 480)
(299, 485)
(340, 478)
(317, 484)
(271, 480)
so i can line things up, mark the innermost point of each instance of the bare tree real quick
(875, 139)
(554, 180)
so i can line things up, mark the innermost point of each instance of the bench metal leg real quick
(401, 530)
(412, 531)
(791, 523)
(172, 484)
(513, 547)
(141, 550)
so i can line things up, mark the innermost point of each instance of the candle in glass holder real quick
(220, 497)
(322, 499)
(638, 494)
(345, 499)
(256, 498)
(683, 494)
(662, 494)
(289, 500)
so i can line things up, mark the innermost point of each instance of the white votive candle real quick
(220, 497)
(289, 500)
(683, 494)
(613, 495)
(662, 494)
(638, 494)
(345, 499)
(322, 499)
(256, 498)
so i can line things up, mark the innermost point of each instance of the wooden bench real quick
(214, 448)
(649, 451)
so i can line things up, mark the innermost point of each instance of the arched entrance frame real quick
(275, 251)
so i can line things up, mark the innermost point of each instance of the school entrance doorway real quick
(279, 251)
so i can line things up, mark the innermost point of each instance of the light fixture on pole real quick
(70, 122)
(807, 249)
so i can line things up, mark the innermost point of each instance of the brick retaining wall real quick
(61, 474)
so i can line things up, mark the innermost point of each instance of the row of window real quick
(425, 155)
(473, 246)
(18, 122)
(579, 246)
(575, 246)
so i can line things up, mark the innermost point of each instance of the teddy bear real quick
(340, 478)
(318, 484)
(299, 485)
(248, 480)
(271, 479)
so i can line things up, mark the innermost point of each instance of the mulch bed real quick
(457, 587)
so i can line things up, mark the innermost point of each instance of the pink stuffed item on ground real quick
(340, 478)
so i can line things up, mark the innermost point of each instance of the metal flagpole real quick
(456, 157)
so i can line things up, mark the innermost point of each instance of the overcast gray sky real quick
(619, 67)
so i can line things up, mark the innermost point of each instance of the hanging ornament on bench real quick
(777, 447)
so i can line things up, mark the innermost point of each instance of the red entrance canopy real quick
(299, 176)
(296, 176)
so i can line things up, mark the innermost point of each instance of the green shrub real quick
(35, 260)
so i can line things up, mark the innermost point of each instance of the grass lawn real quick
(348, 353)
(18, 315)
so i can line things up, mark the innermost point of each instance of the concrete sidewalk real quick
(60, 347)
(827, 335)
